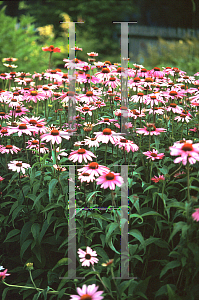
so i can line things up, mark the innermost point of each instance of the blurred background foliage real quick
(27, 26)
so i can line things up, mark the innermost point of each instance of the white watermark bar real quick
(124, 75)
(71, 76)
(72, 251)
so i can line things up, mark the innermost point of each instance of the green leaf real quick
(107, 282)
(36, 297)
(137, 216)
(150, 187)
(26, 230)
(100, 251)
(5, 292)
(40, 195)
(45, 292)
(110, 243)
(24, 247)
(51, 188)
(137, 234)
(12, 233)
(35, 229)
(177, 227)
(61, 262)
(111, 227)
(169, 266)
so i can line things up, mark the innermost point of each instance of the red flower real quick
(51, 49)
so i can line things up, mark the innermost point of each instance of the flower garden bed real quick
(39, 147)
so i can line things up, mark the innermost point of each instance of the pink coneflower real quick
(9, 149)
(22, 128)
(156, 73)
(91, 142)
(4, 274)
(88, 293)
(154, 154)
(127, 145)
(134, 113)
(110, 180)
(94, 169)
(112, 82)
(87, 257)
(80, 155)
(174, 108)
(187, 150)
(19, 110)
(179, 174)
(51, 48)
(195, 215)
(86, 109)
(174, 94)
(3, 115)
(156, 110)
(18, 166)
(55, 136)
(60, 152)
(157, 179)
(88, 97)
(183, 117)
(4, 132)
(33, 95)
(33, 121)
(34, 144)
(92, 54)
(106, 121)
(86, 177)
(154, 99)
(74, 64)
(76, 49)
(107, 135)
(150, 129)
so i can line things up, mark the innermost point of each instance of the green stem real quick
(105, 154)
(118, 292)
(109, 292)
(32, 288)
(188, 191)
(33, 281)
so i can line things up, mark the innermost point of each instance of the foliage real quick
(184, 54)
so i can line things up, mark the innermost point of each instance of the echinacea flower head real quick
(154, 155)
(94, 169)
(108, 263)
(150, 129)
(55, 136)
(80, 155)
(86, 177)
(88, 293)
(110, 180)
(87, 257)
(18, 166)
(157, 179)
(187, 151)
(22, 128)
(4, 274)
(51, 48)
(107, 135)
(9, 149)
(195, 215)
(92, 54)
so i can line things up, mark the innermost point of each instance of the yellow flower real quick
(66, 18)
(46, 31)
(29, 266)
